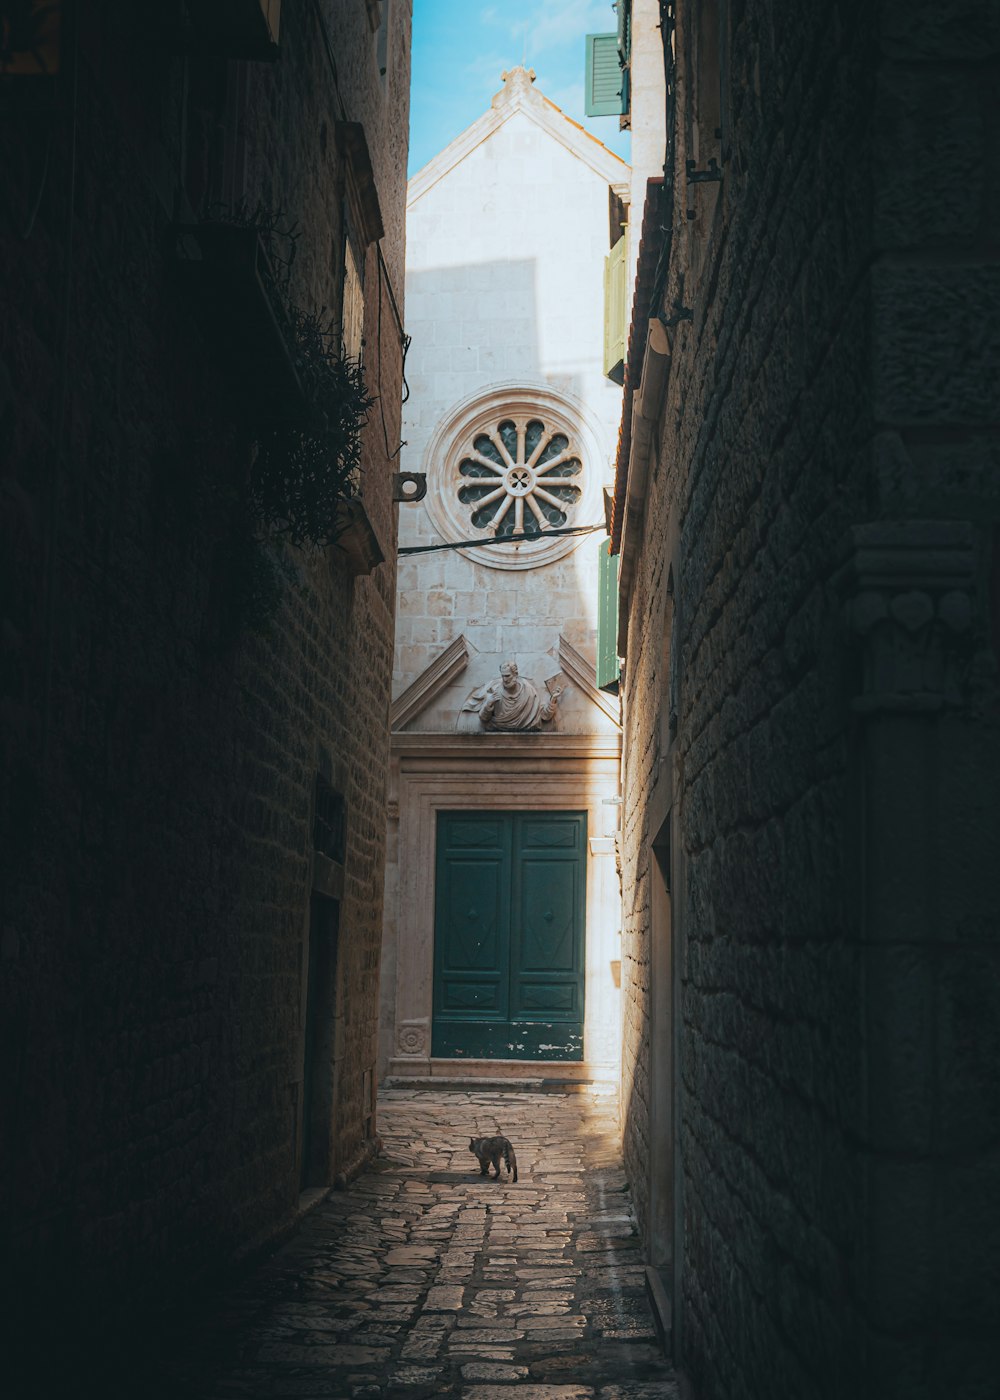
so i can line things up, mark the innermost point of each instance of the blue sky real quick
(460, 48)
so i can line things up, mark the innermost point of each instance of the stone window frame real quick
(360, 227)
(483, 411)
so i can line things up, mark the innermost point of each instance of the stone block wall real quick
(824, 490)
(168, 694)
(924, 611)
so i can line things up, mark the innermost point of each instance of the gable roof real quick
(518, 95)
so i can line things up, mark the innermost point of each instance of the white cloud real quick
(552, 24)
(563, 21)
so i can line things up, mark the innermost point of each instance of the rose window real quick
(524, 475)
(510, 468)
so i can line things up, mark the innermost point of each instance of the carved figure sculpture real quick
(514, 703)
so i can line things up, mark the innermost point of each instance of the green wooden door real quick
(509, 935)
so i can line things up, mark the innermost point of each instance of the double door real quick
(509, 935)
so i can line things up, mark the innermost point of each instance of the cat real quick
(491, 1149)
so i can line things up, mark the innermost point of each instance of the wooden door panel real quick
(548, 916)
(474, 904)
(547, 943)
(546, 997)
(548, 834)
(509, 935)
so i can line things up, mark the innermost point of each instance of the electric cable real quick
(507, 539)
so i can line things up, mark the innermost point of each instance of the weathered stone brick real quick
(837, 369)
(158, 752)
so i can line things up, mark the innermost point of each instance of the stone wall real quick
(169, 693)
(831, 787)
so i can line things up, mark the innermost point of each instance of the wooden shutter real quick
(607, 617)
(614, 311)
(605, 89)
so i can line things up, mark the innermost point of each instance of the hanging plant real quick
(304, 471)
(309, 401)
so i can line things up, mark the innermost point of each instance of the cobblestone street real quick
(425, 1279)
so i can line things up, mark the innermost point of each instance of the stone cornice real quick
(533, 748)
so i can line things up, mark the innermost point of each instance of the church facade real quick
(501, 945)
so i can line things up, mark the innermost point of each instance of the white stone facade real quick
(507, 233)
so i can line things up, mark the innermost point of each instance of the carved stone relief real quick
(908, 597)
(411, 1038)
(513, 703)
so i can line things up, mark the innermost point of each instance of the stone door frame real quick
(526, 772)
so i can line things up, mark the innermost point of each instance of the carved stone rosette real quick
(411, 1038)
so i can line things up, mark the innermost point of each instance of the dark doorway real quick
(318, 1054)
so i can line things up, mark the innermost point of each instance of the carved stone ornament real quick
(513, 703)
(908, 591)
(411, 1038)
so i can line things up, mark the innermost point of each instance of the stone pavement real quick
(424, 1278)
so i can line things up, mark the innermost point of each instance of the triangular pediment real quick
(518, 95)
(432, 682)
(583, 674)
(442, 698)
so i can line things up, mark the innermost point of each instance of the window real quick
(517, 460)
(353, 317)
(607, 618)
(362, 226)
(605, 93)
(607, 69)
(615, 310)
(518, 476)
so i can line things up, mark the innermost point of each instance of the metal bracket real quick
(701, 176)
(681, 313)
(409, 486)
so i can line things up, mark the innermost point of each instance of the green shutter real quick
(605, 86)
(607, 617)
(614, 311)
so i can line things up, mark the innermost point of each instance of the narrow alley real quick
(424, 1279)
(499, 632)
